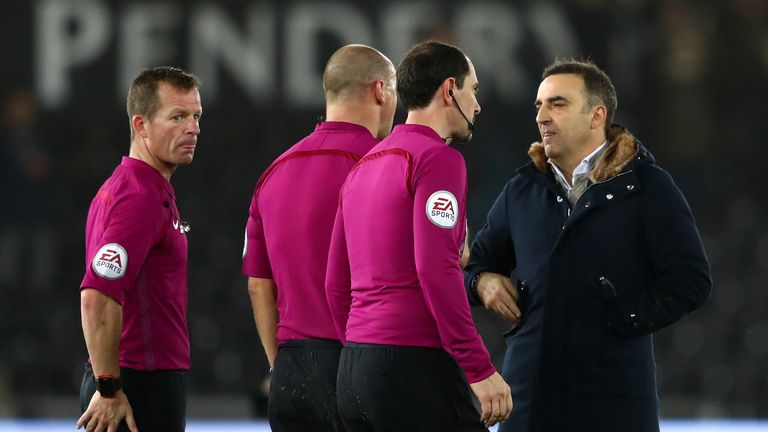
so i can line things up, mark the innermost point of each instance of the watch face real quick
(107, 386)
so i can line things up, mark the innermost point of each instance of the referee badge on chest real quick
(442, 209)
(110, 262)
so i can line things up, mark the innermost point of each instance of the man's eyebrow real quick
(181, 108)
(550, 100)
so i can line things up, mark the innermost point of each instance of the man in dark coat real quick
(605, 252)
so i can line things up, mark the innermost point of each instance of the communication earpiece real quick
(469, 123)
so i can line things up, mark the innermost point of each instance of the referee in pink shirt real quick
(394, 282)
(134, 294)
(289, 232)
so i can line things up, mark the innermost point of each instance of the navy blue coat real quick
(597, 279)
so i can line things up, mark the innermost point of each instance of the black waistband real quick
(123, 370)
(310, 344)
(396, 347)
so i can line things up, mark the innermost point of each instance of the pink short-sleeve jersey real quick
(136, 253)
(290, 222)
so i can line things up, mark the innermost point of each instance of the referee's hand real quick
(495, 399)
(106, 414)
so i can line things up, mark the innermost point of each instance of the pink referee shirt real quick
(393, 268)
(290, 223)
(136, 253)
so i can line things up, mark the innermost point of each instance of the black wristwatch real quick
(108, 386)
(473, 287)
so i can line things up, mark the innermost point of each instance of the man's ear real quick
(379, 92)
(138, 123)
(599, 116)
(446, 90)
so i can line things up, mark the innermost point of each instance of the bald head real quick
(351, 69)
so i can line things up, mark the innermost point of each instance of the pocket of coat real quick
(522, 304)
(619, 320)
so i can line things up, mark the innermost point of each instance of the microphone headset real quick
(471, 125)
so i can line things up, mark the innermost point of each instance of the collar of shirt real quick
(148, 171)
(581, 169)
(416, 128)
(340, 125)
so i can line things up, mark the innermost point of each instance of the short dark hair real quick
(424, 68)
(142, 95)
(597, 84)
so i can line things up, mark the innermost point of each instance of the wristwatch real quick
(108, 386)
(473, 286)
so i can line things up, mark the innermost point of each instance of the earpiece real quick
(469, 123)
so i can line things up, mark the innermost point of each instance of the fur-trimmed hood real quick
(621, 148)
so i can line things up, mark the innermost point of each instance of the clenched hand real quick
(499, 295)
(495, 399)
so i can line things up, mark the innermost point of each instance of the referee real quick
(288, 235)
(133, 297)
(394, 281)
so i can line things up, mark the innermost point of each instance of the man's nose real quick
(194, 127)
(542, 115)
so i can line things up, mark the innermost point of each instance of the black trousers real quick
(158, 399)
(302, 396)
(386, 388)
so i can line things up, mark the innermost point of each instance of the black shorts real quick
(158, 399)
(399, 388)
(302, 396)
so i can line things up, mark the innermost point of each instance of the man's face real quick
(173, 129)
(564, 123)
(466, 98)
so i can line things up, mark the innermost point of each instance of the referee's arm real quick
(263, 301)
(261, 285)
(102, 320)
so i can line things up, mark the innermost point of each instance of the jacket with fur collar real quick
(597, 278)
(619, 151)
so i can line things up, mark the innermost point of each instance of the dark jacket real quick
(597, 279)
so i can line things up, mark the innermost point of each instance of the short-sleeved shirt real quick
(290, 222)
(394, 276)
(136, 253)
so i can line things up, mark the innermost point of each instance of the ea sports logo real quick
(441, 209)
(110, 262)
(444, 205)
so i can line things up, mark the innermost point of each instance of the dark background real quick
(691, 78)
